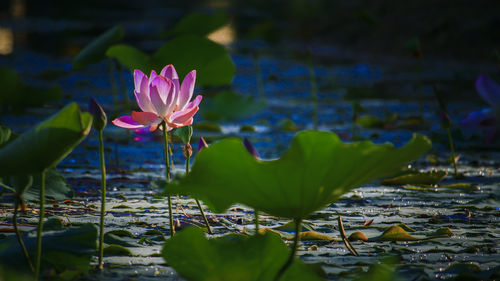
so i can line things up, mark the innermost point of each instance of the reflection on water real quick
(224, 35)
(6, 41)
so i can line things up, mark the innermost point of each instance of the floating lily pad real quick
(287, 125)
(357, 236)
(62, 250)
(117, 250)
(313, 236)
(121, 233)
(417, 178)
(290, 227)
(46, 144)
(316, 170)
(396, 233)
(95, 51)
(231, 257)
(113, 239)
(370, 121)
(207, 126)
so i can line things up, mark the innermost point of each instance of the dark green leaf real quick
(232, 257)
(228, 105)
(95, 51)
(317, 170)
(131, 58)
(4, 135)
(212, 62)
(56, 187)
(46, 144)
(199, 24)
(184, 133)
(424, 178)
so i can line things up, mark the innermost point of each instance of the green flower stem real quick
(296, 240)
(257, 222)
(314, 92)
(40, 227)
(167, 175)
(18, 235)
(112, 79)
(198, 201)
(103, 200)
(452, 149)
(126, 98)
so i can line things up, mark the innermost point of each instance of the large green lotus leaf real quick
(212, 62)
(316, 170)
(131, 57)
(233, 257)
(61, 250)
(229, 105)
(95, 51)
(199, 24)
(45, 145)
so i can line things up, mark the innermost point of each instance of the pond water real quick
(383, 84)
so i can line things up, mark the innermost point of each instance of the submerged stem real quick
(314, 92)
(18, 235)
(296, 240)
(40, 227)
(257, 222)
(112, 79)
(126, 98)
(103, 200)
(167, 176)
(452, 149)
(198, 201)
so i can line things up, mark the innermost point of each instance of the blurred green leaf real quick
(199, 24)
(228, 105)
(184, 133)
(131, 58)
(234, 257)
(45, 145)
(316, 170)
(95, 51)
(56, 187)
(15, 93)
(214, 66)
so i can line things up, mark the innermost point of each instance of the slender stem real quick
(103, 200)
(419, 85)
(257, 222)
(123, 86)
(314, 93)
(344, 238)
(40, 227)
(452, 149)
(112, 79)
(167, 175)
(198, 201)
(258, 74)
(296, 239)
(18, 235)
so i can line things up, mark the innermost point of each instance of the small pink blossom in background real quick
(486, 117)
(162, 99)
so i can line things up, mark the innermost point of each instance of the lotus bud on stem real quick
(100, 121)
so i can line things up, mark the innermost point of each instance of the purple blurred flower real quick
(202, 144)
(486, 117)
(250, 148)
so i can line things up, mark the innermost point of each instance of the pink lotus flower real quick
(162, 99)
(487, 117)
